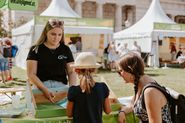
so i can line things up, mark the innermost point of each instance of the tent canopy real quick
(61, 8)
(57, 8)
(144, 27)
(24, 35)
(144, 33)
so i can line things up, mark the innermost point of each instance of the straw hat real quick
(85, 60)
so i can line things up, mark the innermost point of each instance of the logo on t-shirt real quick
(62, 57)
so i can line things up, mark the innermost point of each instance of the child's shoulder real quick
(74, 90)
(101, 84)
(74, 86)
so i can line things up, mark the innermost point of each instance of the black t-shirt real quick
(178, 54)
(106, 50)
(51, 63)
(88, 107)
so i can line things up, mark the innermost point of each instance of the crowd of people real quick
(5, 60)
(113, 53)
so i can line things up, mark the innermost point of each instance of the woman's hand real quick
(49, 95)
(121, 117)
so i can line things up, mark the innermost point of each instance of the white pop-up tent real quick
(144, 33)
(25, 35)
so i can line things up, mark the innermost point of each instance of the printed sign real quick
(86, 22)
(25, 5)
(2, 3)
(165, 26)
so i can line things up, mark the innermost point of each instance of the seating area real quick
(172, 64)
(11, 92)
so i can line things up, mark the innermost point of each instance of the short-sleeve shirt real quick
(51, 63)
(88, 107)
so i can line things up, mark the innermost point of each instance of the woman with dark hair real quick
(149, 104)
(48, 61)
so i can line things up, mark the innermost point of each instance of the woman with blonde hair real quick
(48, 61)
(87, 100)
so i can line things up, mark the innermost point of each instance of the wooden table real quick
(12, 91)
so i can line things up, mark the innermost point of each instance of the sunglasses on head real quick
(56, 23)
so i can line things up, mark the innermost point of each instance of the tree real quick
(2, 30)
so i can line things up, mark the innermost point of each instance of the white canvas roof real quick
(143, 31)
(144, 27)
(61, 8)
(24, 35)
(57, 8)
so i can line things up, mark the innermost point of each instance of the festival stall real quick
(147, 34)
(94, 33)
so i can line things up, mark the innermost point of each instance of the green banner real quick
(85, 22)
(25, 5)
(165, 26)
(2, 3)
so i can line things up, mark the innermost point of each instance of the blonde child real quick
(87, 100)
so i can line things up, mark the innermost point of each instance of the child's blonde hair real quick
(86, 79)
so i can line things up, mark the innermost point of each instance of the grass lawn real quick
(172, 77)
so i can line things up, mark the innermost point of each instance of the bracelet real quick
(122, 111)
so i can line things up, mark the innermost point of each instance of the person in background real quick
(173, 52)
(179, 53)
(48, 61)
(123, 50)
(3, 64)
(112, 56)
(136, 48)
(149, 104)
(105, 56)
(87, 100)
(79, 46)
(72, 48)
(8, 44)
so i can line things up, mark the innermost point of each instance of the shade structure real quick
(25, 35)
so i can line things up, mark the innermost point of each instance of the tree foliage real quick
(2, 30)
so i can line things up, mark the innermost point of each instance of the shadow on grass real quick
(18, 80)
(12, 83)
(150, 72)
(101, 70)
(154, 74)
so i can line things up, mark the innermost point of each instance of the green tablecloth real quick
(46, 112)
(112, 118)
